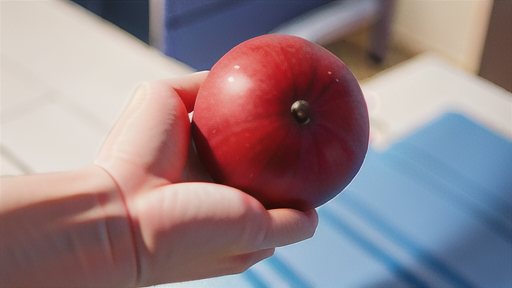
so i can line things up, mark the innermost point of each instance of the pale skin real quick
(144, 213)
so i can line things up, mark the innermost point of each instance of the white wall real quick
(454, 29)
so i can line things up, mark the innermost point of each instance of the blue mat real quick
(435, 210)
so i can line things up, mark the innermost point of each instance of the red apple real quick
(282, 119)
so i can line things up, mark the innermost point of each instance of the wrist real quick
(65, 229)
(122, 234)
(119, 243)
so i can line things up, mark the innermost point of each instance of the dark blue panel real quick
(132, 16)
(198, 33)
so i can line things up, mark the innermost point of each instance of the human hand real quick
(183, 227)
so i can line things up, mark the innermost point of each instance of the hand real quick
(185, 228)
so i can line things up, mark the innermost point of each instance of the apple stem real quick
(300, 111)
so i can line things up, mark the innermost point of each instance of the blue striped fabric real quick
(435, 210)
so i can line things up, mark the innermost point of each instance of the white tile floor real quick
(65, 77)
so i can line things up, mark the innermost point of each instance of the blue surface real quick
(435, 210)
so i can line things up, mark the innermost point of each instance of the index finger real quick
(288, 226)
(186, 87)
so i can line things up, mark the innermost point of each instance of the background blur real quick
(432, 204)
(471, 34)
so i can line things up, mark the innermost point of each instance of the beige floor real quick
(352, 51)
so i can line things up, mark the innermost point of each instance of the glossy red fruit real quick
(282, 119)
